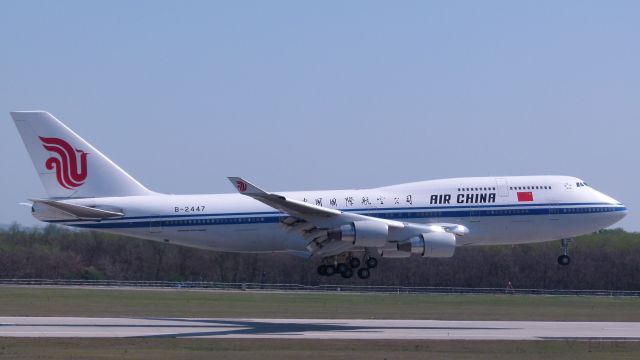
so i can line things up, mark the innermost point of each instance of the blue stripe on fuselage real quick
(359, 211)
(387, 213)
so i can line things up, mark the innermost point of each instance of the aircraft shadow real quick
(257, 328)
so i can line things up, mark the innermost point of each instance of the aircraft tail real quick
(68, 166)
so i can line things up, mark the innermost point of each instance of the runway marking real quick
(71, 327)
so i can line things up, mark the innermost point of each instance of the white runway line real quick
(72, 327)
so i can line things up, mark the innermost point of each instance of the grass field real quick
(24, 301)
(157, 349)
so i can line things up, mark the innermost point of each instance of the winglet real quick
(245, 187)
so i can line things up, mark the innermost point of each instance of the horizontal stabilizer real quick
(79, 212)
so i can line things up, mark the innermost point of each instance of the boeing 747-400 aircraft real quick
(347, 229)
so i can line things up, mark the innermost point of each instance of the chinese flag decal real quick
(525, 196)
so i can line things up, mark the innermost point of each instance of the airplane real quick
(347, 229)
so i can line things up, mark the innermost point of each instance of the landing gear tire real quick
(354, 262)
(372, 263)
(347, 274)
(564, 260)
(364, 273)
(330, 270)
(342, 267)
(322, 270)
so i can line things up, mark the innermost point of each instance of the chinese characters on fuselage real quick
(434, 199)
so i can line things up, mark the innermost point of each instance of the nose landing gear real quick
(564, 259)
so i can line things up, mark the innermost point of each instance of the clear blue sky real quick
(331, 94)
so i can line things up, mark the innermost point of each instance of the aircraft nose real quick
(623, 210)
(620, 210)
(617, 209)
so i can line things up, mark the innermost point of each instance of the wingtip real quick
(239, 183)
(244, 187)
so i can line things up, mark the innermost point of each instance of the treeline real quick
(606, 260)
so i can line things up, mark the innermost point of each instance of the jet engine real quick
(362, 233)
(439, 244)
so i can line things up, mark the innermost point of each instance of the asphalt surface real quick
(69, 327)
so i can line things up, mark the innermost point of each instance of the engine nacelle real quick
(439, 244)
(362, 233)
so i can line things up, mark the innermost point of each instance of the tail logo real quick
(70, 165)
(241, 185)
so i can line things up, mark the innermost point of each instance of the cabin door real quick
(502, 187)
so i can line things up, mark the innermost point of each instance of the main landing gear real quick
(564, 259)
(347, 265)
(344, 269)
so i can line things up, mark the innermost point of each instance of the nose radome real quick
(620, 214)
(620, 210)
(623, 210)
(601, 197)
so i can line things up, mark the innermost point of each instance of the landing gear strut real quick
(564, 259)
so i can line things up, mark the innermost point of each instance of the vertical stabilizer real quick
(68, 166)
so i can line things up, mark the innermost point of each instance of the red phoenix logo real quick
(69, 173)
(241, 185)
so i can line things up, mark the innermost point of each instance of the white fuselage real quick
(547, 208)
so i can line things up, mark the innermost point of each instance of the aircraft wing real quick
(289, 206)
(314, 222)
(319, 215)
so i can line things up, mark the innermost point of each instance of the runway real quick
(71, 327)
